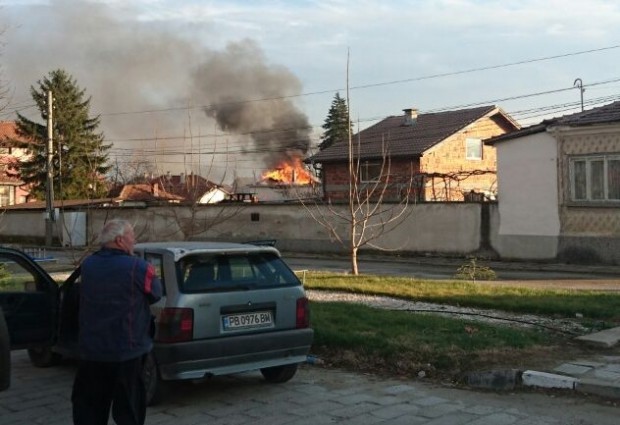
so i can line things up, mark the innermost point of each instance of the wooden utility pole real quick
(49, 217)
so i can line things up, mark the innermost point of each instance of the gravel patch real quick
(467, 313)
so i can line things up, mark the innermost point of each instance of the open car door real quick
(28, 301)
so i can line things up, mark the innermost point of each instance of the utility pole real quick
(49, 218)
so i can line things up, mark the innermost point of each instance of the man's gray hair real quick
(112, 229)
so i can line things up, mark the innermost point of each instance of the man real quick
(116, 290)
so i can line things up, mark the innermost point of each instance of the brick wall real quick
(457, 174)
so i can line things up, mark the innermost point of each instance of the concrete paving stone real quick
(407, 420)
(323, 406)
(353, 411)
(606, 338)
(495, 419)
(606, 374)
(306, 399)
(453, 419)
(389, 400)
(37, 415)
(355, 399)
(429, 401)
(348, 391)
(612, 367)
(311, 389)
(275, 419)
(395, 411)
(610, 359)
(481, 410)
(399, 389)
(590, 363)
(572, 369)
(314, 420)
(159, 418)
(44, 401)
(438, 410)
(538, 421)
(363, 420)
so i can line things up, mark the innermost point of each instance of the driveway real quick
(315, 396)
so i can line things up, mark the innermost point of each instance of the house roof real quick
(403, 139)
(8, 129)
(8, 163)
(190, 187)
(142, 192)
(602, 115)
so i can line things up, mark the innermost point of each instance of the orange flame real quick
(289, 172)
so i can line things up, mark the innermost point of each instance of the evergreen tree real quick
(337, 124)
(79, 154)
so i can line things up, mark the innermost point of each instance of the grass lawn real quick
(404, 343)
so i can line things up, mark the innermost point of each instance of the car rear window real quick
(213, 273)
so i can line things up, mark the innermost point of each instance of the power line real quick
(371, 85)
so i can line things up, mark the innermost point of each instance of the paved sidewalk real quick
(314, 396)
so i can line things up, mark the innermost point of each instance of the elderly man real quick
(116, 290)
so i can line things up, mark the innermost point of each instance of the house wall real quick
(449, 157)
(589, 233)
(528, 202)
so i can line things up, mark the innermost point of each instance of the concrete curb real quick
(511, 379)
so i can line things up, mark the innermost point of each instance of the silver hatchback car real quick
(227, 308)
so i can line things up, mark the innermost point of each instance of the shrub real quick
(473, 271)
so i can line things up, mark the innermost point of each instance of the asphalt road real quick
(526, 274)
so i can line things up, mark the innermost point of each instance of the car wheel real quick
(155, 387)
(43, 356)
(279, 374)
(5, 355)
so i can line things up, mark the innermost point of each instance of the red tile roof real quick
(143, 192)
(8, 129)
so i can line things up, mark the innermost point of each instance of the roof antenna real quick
(579, 84)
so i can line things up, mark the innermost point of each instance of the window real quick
(473, 148)
(204, 273)
(370, 171)
(595, 178)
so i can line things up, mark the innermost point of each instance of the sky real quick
(222, 88)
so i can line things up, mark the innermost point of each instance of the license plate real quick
(257, 319)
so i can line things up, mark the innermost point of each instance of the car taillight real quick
(302, 313)
(175, 325)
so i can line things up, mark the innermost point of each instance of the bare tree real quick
(193, 217)
(368, 215)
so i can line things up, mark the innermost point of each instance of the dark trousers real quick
(101, 385)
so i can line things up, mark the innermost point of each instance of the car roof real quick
(181, 249)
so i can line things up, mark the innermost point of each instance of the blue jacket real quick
(116, 290)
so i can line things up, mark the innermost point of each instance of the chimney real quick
(411, 115)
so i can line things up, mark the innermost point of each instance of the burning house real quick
(253, 102)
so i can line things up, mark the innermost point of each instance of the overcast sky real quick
(157, 70)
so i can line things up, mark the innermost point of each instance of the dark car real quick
(227, 308)
(29, 302)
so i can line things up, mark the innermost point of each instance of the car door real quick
(28, 300)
